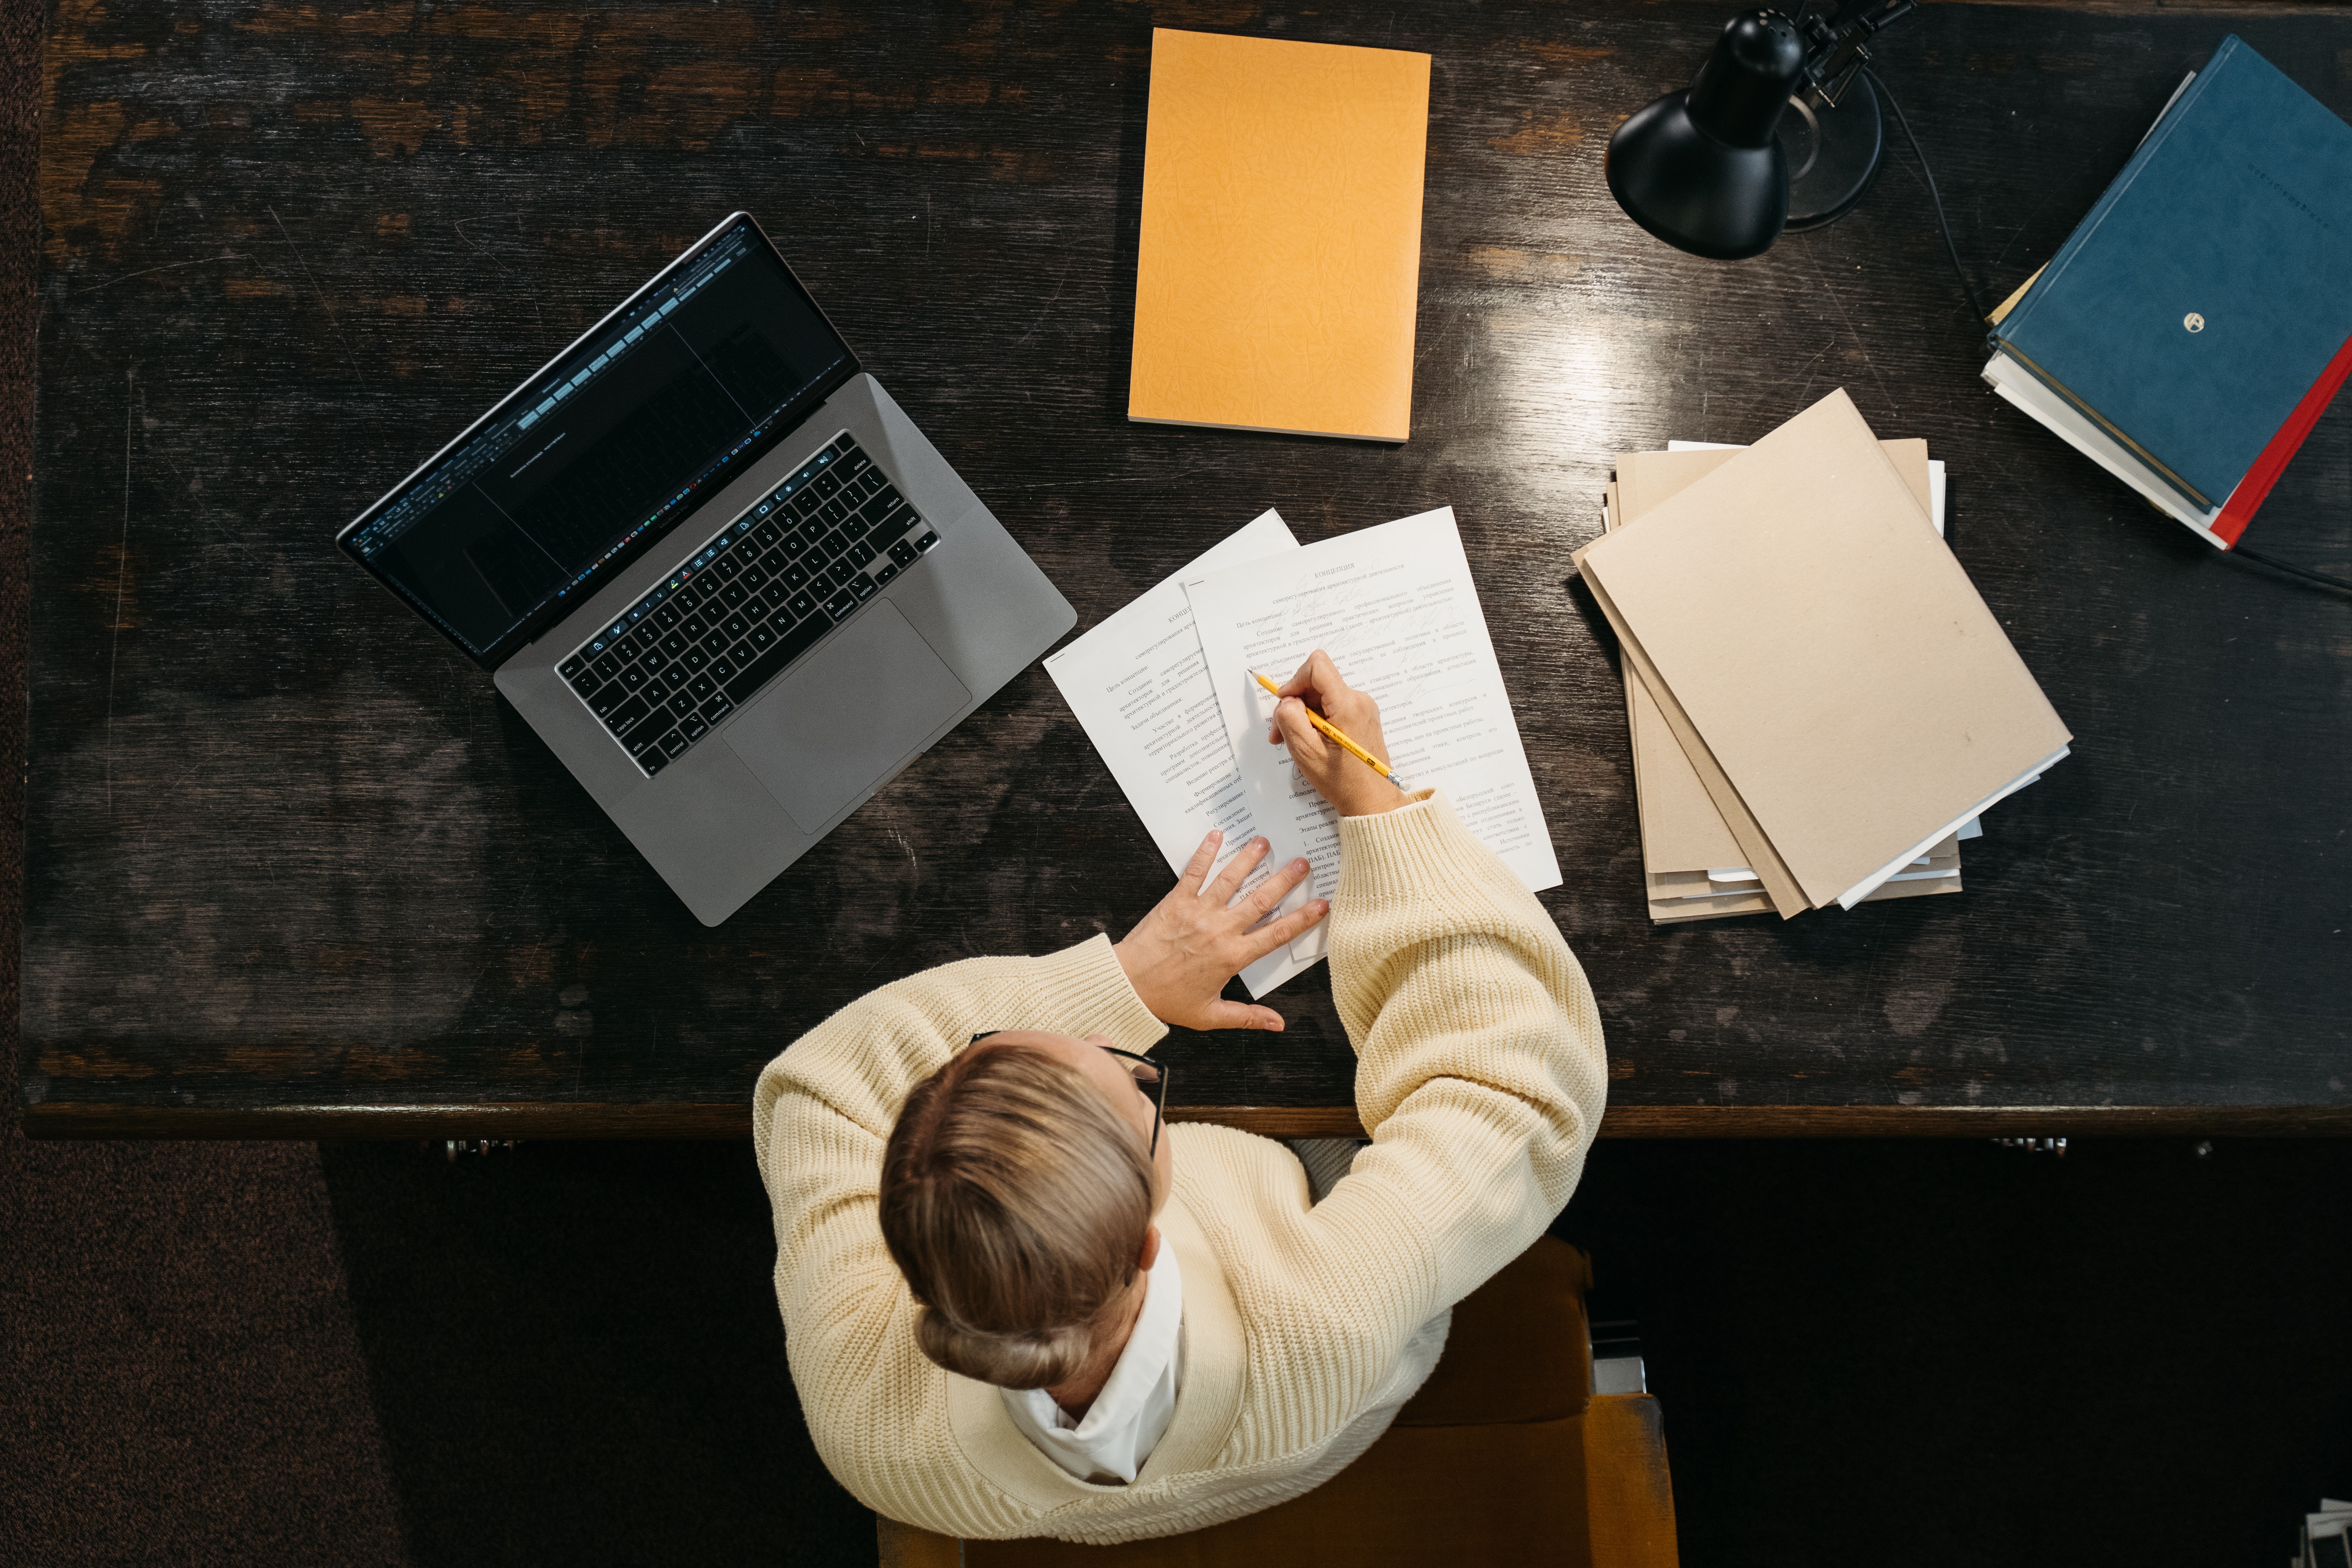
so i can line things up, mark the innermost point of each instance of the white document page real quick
(1140, 689)
(1396, 610)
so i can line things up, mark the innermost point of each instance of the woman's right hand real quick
(1343, 780)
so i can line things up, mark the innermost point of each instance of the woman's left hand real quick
(1180, 956)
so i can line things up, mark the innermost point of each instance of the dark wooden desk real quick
(292, 869)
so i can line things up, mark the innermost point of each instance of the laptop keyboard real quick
(731, 616)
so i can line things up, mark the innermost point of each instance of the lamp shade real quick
(1702, 169)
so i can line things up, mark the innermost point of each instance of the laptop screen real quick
(591, 460)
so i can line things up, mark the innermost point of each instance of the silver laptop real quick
(717, 568)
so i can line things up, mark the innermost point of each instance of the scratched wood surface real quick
(286, 849)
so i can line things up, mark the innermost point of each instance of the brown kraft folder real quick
(1279, 259)
(1682, 830)
(1829, 670)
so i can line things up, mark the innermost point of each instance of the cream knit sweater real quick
(1479, 1076)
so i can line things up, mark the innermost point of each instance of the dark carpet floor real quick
(1869, 1354)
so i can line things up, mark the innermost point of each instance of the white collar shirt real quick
(1131, 1416)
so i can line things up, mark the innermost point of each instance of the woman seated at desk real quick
(1017, 1304)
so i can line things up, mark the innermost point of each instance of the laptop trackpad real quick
(845, 716)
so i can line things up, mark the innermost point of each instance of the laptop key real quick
(796, 576)
(619, 720)
(717, 708)
(733, 596)
(673, 645)
(654, 691)
(885, 571)
(655, 662)
(755, 579)
(608, 697)
(789, 647)
(903, 553)
(715, 644)
(840, 603)
(728, 567)
(722, 670)
(735, 625)
(861, 553)
(894, 525)
(586, 681)
(700, 687)
(840, 572)
(694, 729)
(695, 629)
(863, 588)
(763, 639)
(673, 742)
(652, 761)
(693, 658)
(606, 667)
(928, 539)
(853, 463)
(828, 485)
(801, 604)
(571, 667)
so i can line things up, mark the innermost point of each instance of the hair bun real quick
(1022, 1359)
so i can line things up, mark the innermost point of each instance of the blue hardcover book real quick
(2202, 313)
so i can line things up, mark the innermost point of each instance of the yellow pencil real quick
(1332, 730)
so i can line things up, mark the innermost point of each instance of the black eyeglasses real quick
(1150, 1077)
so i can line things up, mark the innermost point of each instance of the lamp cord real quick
(1966, 287)
(2321, 578)
(2304, 573)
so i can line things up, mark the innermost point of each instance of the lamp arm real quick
(1838, 45)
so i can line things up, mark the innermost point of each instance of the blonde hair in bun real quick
(1015, 1201)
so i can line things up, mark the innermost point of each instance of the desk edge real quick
(71, 1119)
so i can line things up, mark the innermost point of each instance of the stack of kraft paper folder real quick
(1821, 702)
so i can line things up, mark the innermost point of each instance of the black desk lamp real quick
(1708, 170)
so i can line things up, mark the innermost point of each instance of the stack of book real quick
(2193, 329)
(2327, 1536)
(1822, 705)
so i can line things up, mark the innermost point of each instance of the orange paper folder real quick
(1280, 253)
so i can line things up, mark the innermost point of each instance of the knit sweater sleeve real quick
(1481, 1075)
(821, 1115)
